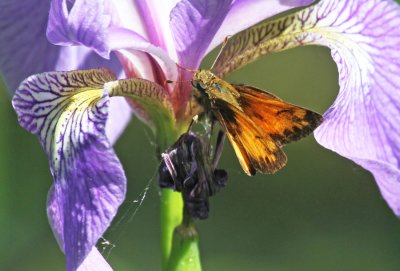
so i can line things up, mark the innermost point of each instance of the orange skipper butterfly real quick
(257, 123)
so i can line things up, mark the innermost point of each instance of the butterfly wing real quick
(282, 121)
(255, 149)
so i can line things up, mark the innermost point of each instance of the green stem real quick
(184, 253)
(179, 239)
(185, 250)
(171, 217)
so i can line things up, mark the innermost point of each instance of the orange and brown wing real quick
(255, 149)
(284, 122)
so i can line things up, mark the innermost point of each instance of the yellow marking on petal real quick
(75, 107)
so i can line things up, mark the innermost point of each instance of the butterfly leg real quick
(218, 148)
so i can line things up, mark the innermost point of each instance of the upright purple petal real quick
(87, 23)
(127, 43)
(21, 40)
(68, 113)
(193, 24)
(245, 13)
(97, 25)
(151, 20)
(25, 50)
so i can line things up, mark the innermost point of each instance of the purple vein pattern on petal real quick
(362, 124)
(68, 112)
(245, 13)
(193, 24)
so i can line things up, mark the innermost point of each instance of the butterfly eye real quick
(200, 85)
(218, 87)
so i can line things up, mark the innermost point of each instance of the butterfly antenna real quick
(224, 43)
(171, 81)
(179, 81)
(186, 69)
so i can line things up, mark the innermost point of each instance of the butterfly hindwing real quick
(284, 122)
(255, 149)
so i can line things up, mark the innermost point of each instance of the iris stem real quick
(180, 241)
(171, 217)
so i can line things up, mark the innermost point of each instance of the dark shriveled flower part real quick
(186, 168)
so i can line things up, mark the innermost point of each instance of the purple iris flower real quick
(78, 115)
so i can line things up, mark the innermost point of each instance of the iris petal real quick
(86, 23)
(364, 38)
(151, 102)
(155, 16)
(362, 124)
(21, 57)
(94, 260)
(245, 13)
(68, 112)
(96, 24)
(193, 24)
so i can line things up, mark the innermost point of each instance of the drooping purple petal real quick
(193, 24)
(94, 260)
(68, 112)
(364, 38)
(362, 124)
(245, 13)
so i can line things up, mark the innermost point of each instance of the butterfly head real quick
(203, 79)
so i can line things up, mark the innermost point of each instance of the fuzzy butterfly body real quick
(257, 123)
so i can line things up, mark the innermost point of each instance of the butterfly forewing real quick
(284, 122)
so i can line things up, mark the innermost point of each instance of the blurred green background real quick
(321, 212)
